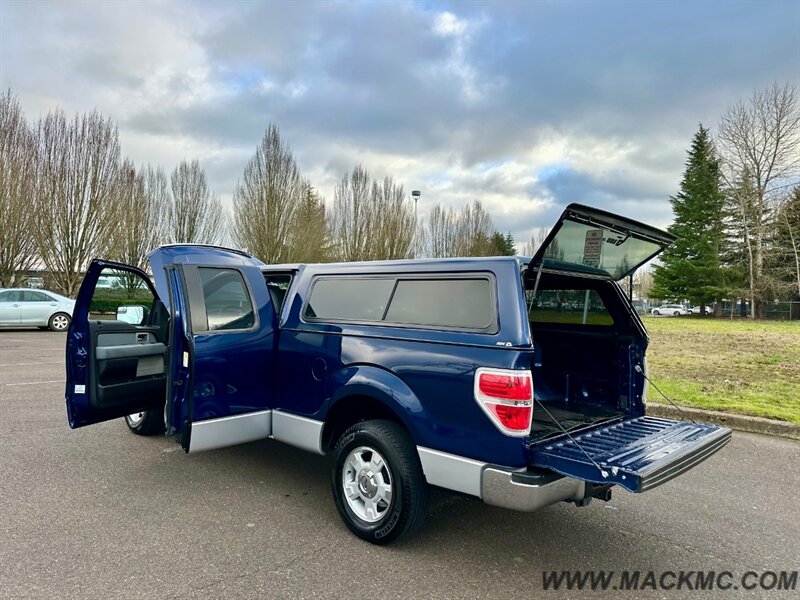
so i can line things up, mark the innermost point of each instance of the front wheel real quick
(677, 313)
(655, 312)
(378, 484)
(58, 322)
(149, 422)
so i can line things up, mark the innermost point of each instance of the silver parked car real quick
(22, 307)
(671, 309)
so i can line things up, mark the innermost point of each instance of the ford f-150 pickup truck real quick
(518, 381)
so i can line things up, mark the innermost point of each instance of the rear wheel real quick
(378, 484)
(149, 422)
(677, 313)
(58, 322)
(656, 312)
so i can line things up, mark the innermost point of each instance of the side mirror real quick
(135, 314)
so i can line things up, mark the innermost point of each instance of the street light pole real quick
(415, 194)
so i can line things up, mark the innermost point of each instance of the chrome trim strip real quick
(451, 472)
(229, 431)
(298, 431)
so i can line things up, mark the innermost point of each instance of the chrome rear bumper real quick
(526, 491)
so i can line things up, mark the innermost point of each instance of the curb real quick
(739, 422)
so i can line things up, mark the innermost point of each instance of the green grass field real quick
(745, 367)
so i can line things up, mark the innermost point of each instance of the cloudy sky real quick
(526, 106)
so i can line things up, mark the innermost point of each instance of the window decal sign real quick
(593, 248)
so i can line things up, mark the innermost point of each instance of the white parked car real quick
(671, 309)
(22, 307)
(696, 310)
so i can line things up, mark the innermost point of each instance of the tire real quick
(376, 459)
(149, 422)
(59, 322)
(655, 312)
(677, 313)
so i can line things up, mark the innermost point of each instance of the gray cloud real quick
(525, 105)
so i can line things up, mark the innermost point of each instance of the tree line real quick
(737, 213)
(67, 194)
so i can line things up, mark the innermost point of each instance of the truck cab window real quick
(227, 301)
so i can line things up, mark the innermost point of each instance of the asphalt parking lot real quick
(101, 513)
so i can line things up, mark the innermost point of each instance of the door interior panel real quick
(127, 365)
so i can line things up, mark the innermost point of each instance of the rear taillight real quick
(507, 398)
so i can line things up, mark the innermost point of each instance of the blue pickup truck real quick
(518, 381)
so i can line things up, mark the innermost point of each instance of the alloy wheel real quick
(367, 484)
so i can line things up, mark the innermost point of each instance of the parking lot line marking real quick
(28, 364)
(35, 382)
(41, 362)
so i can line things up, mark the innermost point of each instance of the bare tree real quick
(308, 234)
(787, 241)
(536, 241)
(760, 141)
(76, 206)
(475, 232)
(529, 247)
(393, 237)
(143, 202)
(451, 233)
(266, 199)
(442, 232)
(371, 220)
(353, 219)
(157, 191)
(643, 282)
(17, 188)
(196, 216)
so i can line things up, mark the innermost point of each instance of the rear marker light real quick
(506, 397)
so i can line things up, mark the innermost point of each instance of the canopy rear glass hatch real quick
(594, 241)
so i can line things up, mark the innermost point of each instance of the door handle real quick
(15, 305)
(141, 338)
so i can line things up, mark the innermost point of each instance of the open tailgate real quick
(638, 454)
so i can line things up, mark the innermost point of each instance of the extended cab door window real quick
(278, 287)
(227, 302)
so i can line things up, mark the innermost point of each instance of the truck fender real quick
(387, 388)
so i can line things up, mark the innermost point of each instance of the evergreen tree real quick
(690, 268)
(309, 238)
(504, 244)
